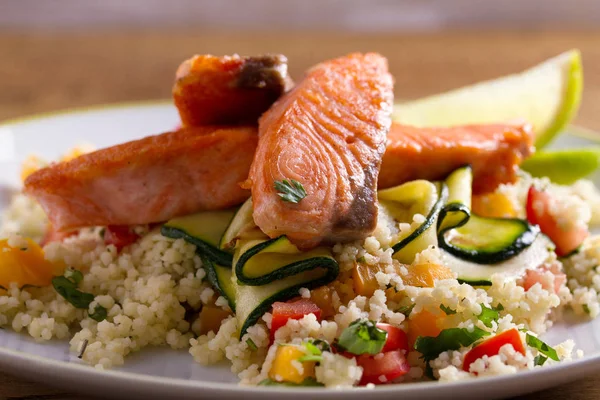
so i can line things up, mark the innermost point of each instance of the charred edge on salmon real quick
(268, 71)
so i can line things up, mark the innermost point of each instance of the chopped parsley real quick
(586, 308)
(251, 344)
(99, 313)
(488, 315)
(74, 275)
(315, 349)
(291, 190)
(362, 337)
(68, 289)
(542, 347)
(539, 360)
(66, 286)
(447, 310)
(406, 310)
(448, 339)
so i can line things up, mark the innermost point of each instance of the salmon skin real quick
(148, 180)
(228, 90)
(328, 133)
(494, 152)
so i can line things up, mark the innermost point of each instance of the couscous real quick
(440, 278)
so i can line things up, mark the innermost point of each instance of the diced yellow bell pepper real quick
(283, 368)
(26, 265)
(211, 318)
(425, 275)
(323, 298)
(493, 205)
(364, 278)
(422, 324)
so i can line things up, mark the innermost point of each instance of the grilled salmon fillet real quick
(211, 90)
(328, 133)
(148, 180)
(494, 152)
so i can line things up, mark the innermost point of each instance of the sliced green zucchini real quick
(259, 262)
(252, 302)
(205, 230)
(241, 222)
(404, 201)
(489, 240)
(477, 239)
(221, 278)
(267, 270)
(480, 274)
(457, 210)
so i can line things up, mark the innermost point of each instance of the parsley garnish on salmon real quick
(291, 190)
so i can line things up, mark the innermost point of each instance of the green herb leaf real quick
(321, 345)
(311, 357)
(306, 382)
(542, 347)
(68, 289)
(291, 190)
(448, 339)
(251, 344)
(74, 276)
(488, 315)
(539, 360)
(312, 349)
(362, 337)
(586, 308)
(315, 349)
(406, 310)
(447, 310)
(99, 313)
(361, 259)
(499, 307)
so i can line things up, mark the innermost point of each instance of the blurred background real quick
(66, 53)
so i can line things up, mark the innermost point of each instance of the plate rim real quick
(117, 376)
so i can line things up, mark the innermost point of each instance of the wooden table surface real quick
(46, 72)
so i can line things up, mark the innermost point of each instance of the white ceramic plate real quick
(162, 373)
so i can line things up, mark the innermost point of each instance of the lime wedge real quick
(563, 166)
(547, 96)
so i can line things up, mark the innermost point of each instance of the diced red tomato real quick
(52, 235)
(566, 236)
(282, 312)
(533, 276)
(491, 347)
(119, 236)
(389, 365)
(396, 338)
